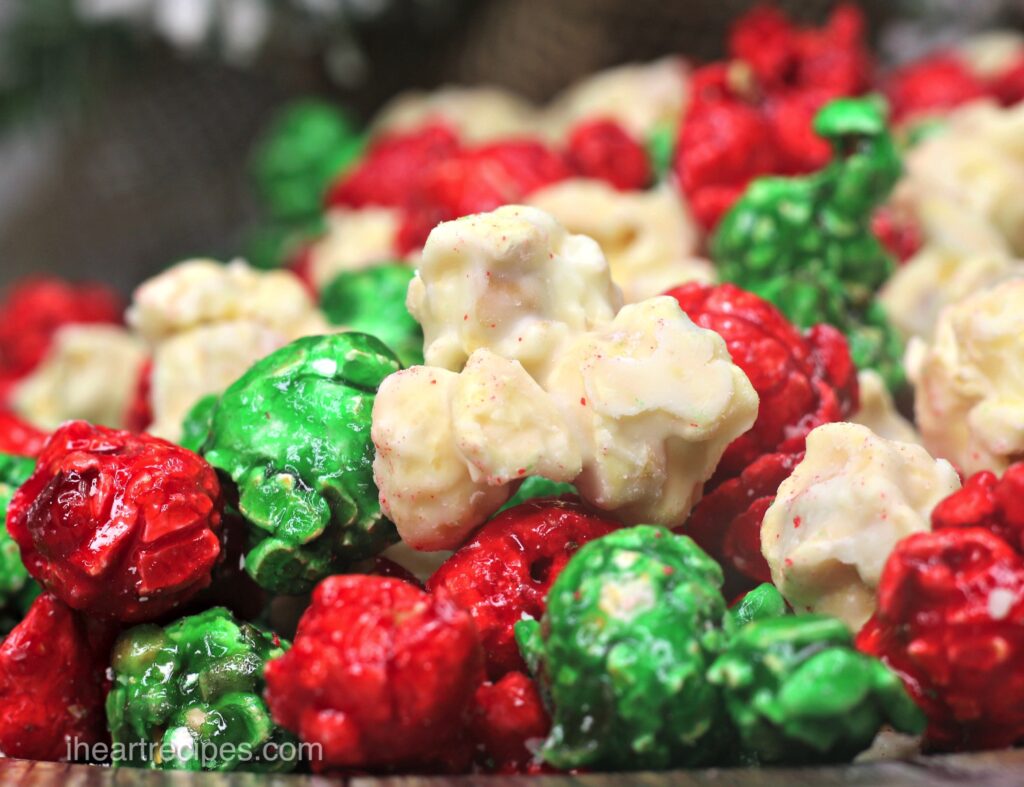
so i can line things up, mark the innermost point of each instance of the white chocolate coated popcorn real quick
(649, 238)
(207, 323)
(479, 114)
(90, 372)
(969, 382)
(205, 292)
(977, 162)
(355, 239)
(989, 53)
(639, 96)
(512, 281)
(962, 254)
(655, 400)
(836, 519)
(635, 412)
(877, 411)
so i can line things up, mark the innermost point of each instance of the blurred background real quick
(126, 126)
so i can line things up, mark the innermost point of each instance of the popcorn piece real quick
(355, 239)
(89, 373)
(654, 400)
(649, 238)
(838, 516)
(969, 396)
(195, 293)
(513, 281)
(639, 96)
(977, 162)
(479, 114)
(636, 414)
(208, 323)
(878, 412)
(964, 254)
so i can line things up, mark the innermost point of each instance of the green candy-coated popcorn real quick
(630, 629)
(762, 603)
(373, 301)
(196, 426)
(308, 144)
(537, 486)
(805, 243)
(797, 691)
(661, 149)
(293, 433)
(17, 589)
(195, 691)
(275, 243)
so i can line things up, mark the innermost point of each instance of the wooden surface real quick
(995, 768)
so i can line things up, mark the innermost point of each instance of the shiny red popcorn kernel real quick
(118, 525)
(802, 380)
(509, 722)
(900, 234)
(140, 409)
(986, 501)
(52, 683)
(950, 622)
(1008, 85)
(34, 309)
(382, 676)
(392, 167)
(18, 437)
(933, 84)
(726, 523)
(504, 571)
(603, 150)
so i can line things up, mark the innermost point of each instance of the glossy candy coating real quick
(306, 146)
(382, 676)
(802, 380)
(195, 688)
(372, 301)
(503, 573)
(950, 622)
(17, 589)
(293, 433)
(604, 150)
(726, 523)
(806, 243)
(52, 682)
(933, 84)
(535, 486)
(990, 502)
(196, 426)
(798, 692)
(630, 628)
(118, 525)
(508, 720)
(18, 437)
(761, 603)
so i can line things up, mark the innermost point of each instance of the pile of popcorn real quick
(609, 435)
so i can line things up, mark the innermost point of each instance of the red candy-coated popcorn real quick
(381, 675)
(35, 308)
(753, 116)
(140, 409)
(995, 504)
(504, 571)
(52, 683)
(392, 168)
(802, 380)
(603, 150)
(118, 525)
(508, 720)
(950, 622)
(18, 437)
(727, 522)
(900, 234)
(476, 180)
(932, 84)
(1008, 85)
